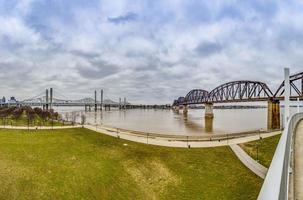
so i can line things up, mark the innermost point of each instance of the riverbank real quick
(182, 141)
(83, 164)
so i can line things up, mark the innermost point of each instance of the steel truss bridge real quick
(242, 91)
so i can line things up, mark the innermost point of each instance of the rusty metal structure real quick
(196, 96)
(243, 91)
(240, 91)
(296, 85)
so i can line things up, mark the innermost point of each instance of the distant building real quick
(12, 100)
(3, 100)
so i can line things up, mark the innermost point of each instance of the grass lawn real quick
(82, 164)
(266, 148)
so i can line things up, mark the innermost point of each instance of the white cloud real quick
(153, 56)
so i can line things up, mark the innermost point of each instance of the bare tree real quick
(83, 119)
(66, 116)
(74, 117)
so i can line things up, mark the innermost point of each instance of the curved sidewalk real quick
(39, 127)
(298, 162)
(176, 142)
(249, 162)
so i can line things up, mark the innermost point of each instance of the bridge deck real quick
(298, 162)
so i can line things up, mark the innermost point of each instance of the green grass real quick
(262, 150)
(23, 121)
(82, 164)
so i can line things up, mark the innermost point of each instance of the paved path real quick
(175, 142)
(249, 162)
(298, 162)
(38, 127)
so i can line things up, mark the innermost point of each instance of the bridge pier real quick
(107, 107)
(209, 113)
(185, 109)
(177, 109)
(273, 114)
(208, 121)
(96, 101)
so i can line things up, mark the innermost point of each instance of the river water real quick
(171, 122)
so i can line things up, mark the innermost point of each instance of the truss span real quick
(196, 96)
(240, 91)
(296, 85)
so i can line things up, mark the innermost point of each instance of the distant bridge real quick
(49, 99)
(244, 91)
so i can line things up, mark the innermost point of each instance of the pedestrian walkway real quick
(298, 162)
(249, 162)
(176, 141)
(38, 127)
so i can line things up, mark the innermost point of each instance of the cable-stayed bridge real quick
(53, 98)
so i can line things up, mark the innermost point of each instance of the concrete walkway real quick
(38, 127)
(298, 162)
(176, 142)
(249, 162)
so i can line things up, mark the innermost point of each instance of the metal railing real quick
(181, 138)
(276, 184)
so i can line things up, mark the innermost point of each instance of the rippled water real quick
(171, 122)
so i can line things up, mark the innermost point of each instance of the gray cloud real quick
(171, 48)
(97, 70)
(130, 16)
(208, 48)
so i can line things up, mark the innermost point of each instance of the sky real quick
(147, 51)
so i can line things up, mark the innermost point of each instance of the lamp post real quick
(286, 96)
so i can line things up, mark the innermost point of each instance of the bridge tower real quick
(95, 100)
(101, 101)
(50, 98)
(273, 114)
(46, 99)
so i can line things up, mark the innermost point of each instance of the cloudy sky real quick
(149, 51)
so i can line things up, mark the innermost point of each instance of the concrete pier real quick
(208, 121)
(273, 115)
(107, 107)
(209, 107)
(185, 109)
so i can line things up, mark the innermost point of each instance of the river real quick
(171, 122)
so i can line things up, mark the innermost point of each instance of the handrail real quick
(175, 137)
(276, 183)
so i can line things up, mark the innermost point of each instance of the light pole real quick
(286, 96)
